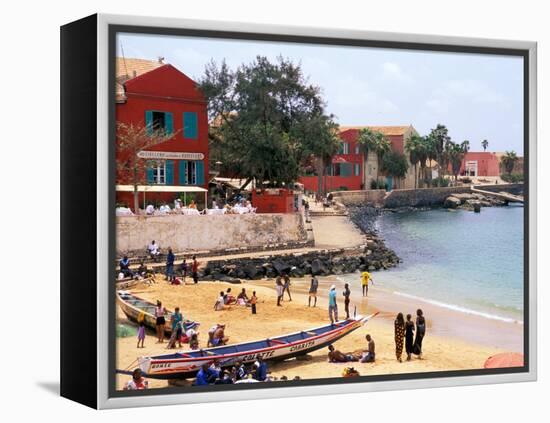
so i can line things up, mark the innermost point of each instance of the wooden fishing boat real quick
(186, 364)
(134, 307)
(126, 283)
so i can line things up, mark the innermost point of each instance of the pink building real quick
(480, 164)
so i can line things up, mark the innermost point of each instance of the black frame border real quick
(114, 29)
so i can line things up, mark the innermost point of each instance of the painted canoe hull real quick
(147, 308)
(170, 367)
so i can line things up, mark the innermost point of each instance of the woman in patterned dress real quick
(399, 335)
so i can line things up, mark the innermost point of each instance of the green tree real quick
(267, 120)
(395, 164)
(382, 146)
(484, 144)
(440, 139)
(416, 147)
(456, 153)
(367, 142)
(508, 161)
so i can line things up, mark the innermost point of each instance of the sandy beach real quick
(447, 345)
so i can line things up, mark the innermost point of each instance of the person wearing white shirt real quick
(154, 250)
(149, 210)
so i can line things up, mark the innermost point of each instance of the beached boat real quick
(134, 306)
(126, 283)
(186, 364)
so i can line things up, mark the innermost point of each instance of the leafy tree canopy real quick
(395, 164)
(267, 121)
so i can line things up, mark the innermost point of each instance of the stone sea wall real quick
(208, 232)
(422, 197)
(356, 198)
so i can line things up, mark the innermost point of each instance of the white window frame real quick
(159, 173)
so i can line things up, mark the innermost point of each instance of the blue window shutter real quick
(199, 169)
(150, 174)
(149, 121)
(182, 172)
(169, 172)
(190, 125)
(169, 123)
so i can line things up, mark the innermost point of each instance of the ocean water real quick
(470, 262)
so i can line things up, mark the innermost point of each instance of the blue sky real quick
(476, 96)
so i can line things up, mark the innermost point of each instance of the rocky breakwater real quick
(373, 256)
(472, 202)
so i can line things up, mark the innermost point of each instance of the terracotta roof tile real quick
(129, 68)
(386, 130)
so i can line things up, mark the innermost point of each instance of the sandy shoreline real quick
(444, 348)
(441, 320)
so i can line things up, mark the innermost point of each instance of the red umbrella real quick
(504, 360)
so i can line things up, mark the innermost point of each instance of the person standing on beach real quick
(177, 325)
(280, 290)
(399, 335)
(141, 333)
(160, 311)
(170, 258)
(332, 305)
(195, 269)
(409, 336)
(346, 294)
(183, 269)
(420, 332)
(286, 286)
(313, 286)
(365, 278)
(253, 301)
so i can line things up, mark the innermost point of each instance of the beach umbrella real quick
(502, 360)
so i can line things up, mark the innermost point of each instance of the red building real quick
(480, 164)
(274, 200)
(345, 171)
(160, 97)
(349, 169)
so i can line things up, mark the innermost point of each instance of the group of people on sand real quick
(184, 267)
(282, 285)
(214, 374)
(227, 299)
(367, 355)
(405, 333)
(182, 330)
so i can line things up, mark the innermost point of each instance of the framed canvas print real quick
(254, 211)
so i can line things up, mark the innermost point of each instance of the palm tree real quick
(416, 147)
(456, 153)
(484, 144)
(509, 161)
(367, 142)
(382, 146)
(440, 139)
(431, 153)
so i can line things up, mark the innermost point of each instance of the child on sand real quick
(253, 301)
(141, 334)
(194, 342)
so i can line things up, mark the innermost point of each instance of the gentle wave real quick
(459, 308)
